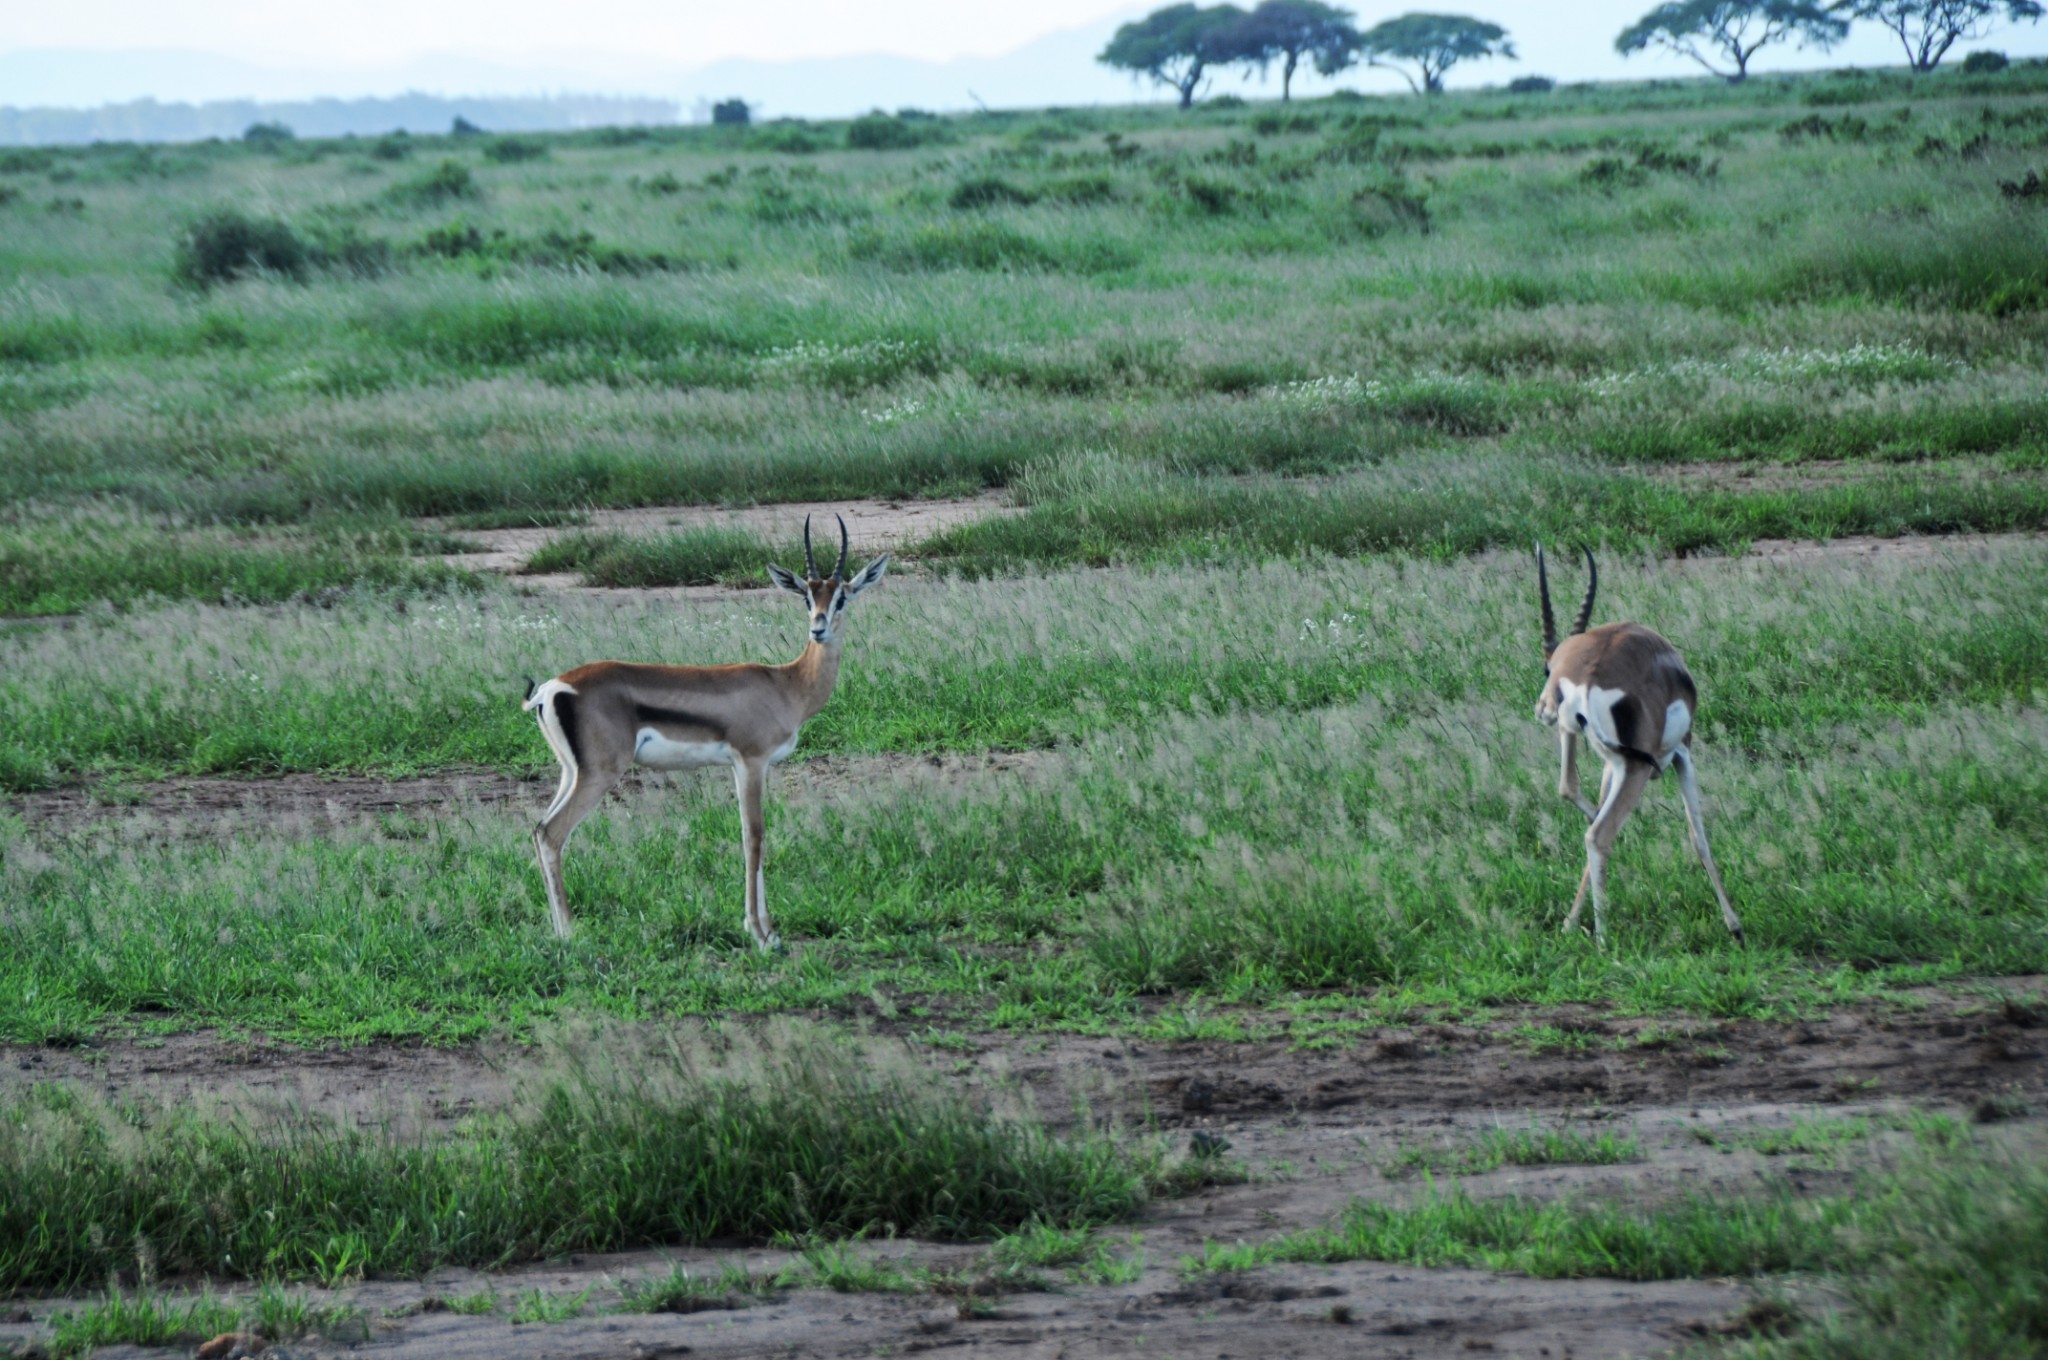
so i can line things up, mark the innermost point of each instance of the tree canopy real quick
(1928, 28)
(1733, 30)
(1177, 45)
(1433, 44)
(1289, 30)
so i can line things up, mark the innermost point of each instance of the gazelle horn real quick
(1592, 584)
(839, 572)
(810, 566)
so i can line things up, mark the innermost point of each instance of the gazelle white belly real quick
(657, 752)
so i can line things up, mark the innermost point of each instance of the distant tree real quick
(731, 113)
(1288, 30)
(462, 127)
(1730, 30)
(1984, 63)
(267, 134)
(1177, 45)
(1928, 28)
(1433, 43)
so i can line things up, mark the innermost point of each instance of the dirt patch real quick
(1317, 1128)
(314, 804)
(873, 525)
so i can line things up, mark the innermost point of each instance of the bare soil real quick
(317, 804)
(872, 525)
(1318, 1127)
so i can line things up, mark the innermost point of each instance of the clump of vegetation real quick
(1531, 85)
(268, 135)
(512, 150)
(1985, 63)
(228, 244)
(791, 138)
(878, 131)
(988, 191)
(731, 113)
(801, 1136)
(448, 182)
(392, 146)
(695, 557)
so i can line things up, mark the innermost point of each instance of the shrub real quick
(1274, 123)
(1223, 103)
(731, 113)
(1984, 63)
(228, 244)
(987, 191)
(267, 134)
(879, 131)
(510, 150)
(395, 146)
(1531, 85)
(446, 182)
(792, 139)
(462, 127)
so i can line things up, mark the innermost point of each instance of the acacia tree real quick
(1288, 30)
(1734, 29)
(1434, 43)
(1928, 28)
(1177, 45)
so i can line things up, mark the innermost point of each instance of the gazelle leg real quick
(1689, 790)
(583, 788)
(750, 779)
(1568, 773)
(1621, 791)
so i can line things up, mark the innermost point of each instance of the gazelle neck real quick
(817, 671)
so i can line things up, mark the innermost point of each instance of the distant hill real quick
(145, 120)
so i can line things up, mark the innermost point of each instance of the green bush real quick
(1984, 63)
(267, 134)
(731, 113)
(228, 244)
(446, 182)
(395, 146)
(1531, 85)
(987, 191)
(511, 150)
(878, 131)
(791, 139)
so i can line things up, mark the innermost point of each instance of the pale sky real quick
(90, 51)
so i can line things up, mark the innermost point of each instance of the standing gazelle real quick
(1627, 690)
(604, 718)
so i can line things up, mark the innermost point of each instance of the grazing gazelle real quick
(1627, 690)
(604, 718)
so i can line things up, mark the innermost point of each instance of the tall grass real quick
(669, 1147)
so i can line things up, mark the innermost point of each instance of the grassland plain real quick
(1281, 397)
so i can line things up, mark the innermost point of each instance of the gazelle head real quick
(1546, 703)
(827, 596)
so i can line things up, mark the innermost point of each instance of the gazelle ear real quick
(788, 581)
(867, 576)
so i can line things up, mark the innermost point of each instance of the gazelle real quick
(1627, 691)
(604, 718)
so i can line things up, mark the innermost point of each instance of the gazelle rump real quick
(1627, 692)
(602, 719)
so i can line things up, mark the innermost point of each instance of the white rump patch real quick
(1677, 724)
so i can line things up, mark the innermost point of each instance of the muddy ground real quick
(1316, 1127)
(311, 804)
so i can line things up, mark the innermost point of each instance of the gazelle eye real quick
(839, 603)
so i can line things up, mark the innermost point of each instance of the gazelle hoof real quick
(772, 945)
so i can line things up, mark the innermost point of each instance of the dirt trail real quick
(311, 804)
(1318, 1129)
(872, 525)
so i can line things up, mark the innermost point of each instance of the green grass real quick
(1956, 1269)
(1498, 1147)
(1561, 1239)
(694, 557)
(151, 1319)
(663, 1147)
(1829, 1135)
(706, 317)
(1321, 780)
